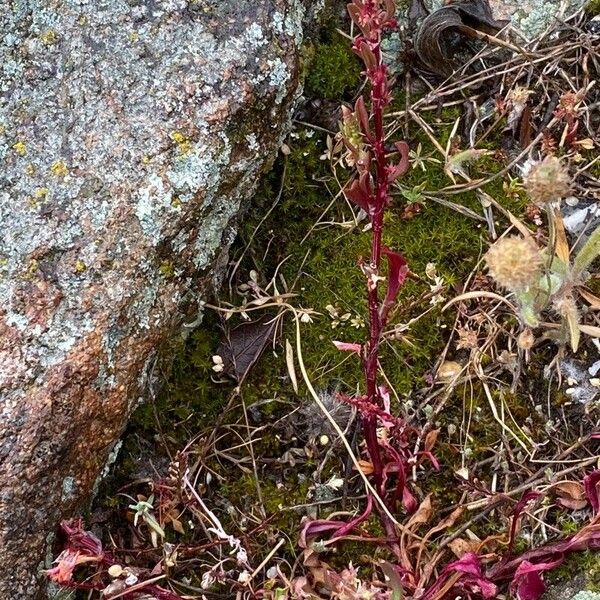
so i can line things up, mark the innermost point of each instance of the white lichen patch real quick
(533, 17)
(209, 239)
(278, 78)
(152, 200)
(253, 142)
(197, 171)
(255, 35)
(69, 488)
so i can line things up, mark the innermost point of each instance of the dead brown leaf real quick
(562, 245)
(461, 546)
(571, 494)
(590, 298)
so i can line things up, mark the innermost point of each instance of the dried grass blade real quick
(289, 361)
(479, 294)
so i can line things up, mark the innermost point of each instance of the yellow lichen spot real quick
(80, 266)
(49, 37)
(20, 148)
(184, 144)
(134, 36)
(83, 20)
(176, 202)
(40, 193)
(32, 269)
(30, 169)
(166, 268)
(146, 159)
(2, 129)
(59, 169)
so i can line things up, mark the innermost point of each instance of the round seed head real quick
(514, 262)
(548, 181)
(565, 305)
(526, 339)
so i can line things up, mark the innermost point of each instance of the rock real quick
(131, 133)
(529, 17)
(573, 589)
(533, 17)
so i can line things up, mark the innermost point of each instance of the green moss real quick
(587, 562)
(189, 397)
(334, 70)
(592, 8)
(276, 499)
(594, 285)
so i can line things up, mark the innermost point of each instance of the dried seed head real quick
(565, 305)
(526, 339)
(514, 262)
(548, 181)
(449, 370)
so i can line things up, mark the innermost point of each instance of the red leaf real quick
(354, 523)
(528, 583)
(348, 347)
(519, 508)
(409, 501)
(366, 187)
(360, 110)
(66, 562)
(384, 394)
(432, 459)
(354, 13)
(79, 539)
(356, 194)
(390, 9)
(362, 48)
(312, 529)
(397, 272)
(400, 168)
(591, 483)
(470, 567)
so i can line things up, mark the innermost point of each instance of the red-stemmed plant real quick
(377, 167)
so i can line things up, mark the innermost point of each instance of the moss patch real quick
(592, 8)
(334, 70)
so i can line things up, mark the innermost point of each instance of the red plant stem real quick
(371, 362)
